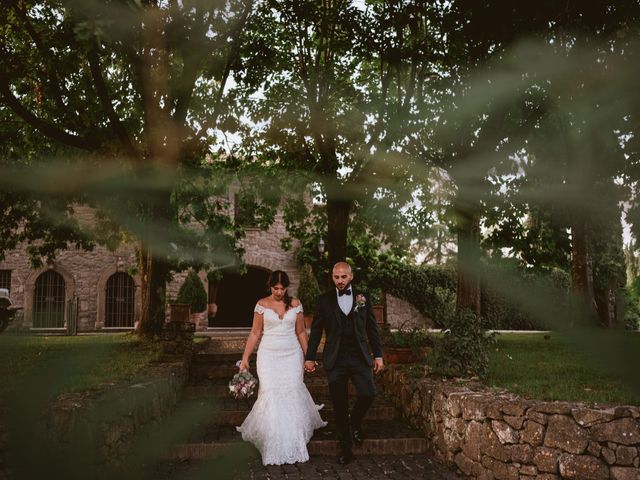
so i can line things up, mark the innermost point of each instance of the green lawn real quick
(62, 364)
(593, 370)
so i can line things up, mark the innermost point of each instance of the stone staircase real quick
(214, 366)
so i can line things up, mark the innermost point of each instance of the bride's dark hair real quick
(280, 277)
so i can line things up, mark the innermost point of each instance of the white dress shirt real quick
(345, 302)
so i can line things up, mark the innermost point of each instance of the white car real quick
(7, 309)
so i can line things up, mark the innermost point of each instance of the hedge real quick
(432, 290)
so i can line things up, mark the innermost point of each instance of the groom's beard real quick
(342, 289)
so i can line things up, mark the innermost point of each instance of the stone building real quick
(88, 291)
(94, 291)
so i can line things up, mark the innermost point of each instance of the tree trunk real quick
(468, 232)
(439, 246)
(581, 267)
(154, 270)
(338, 210)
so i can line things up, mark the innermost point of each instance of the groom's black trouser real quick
(354, 368)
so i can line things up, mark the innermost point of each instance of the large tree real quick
(326, 87)
(489, 100)
(133, 87)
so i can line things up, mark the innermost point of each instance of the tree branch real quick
(53, 79)
(43, 126)
(183, 91)
(105, 100)
(234, 51)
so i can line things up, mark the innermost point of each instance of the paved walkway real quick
(369, 467)
(376, 467)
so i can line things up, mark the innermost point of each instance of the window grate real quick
(119, 308)
(48, 301)
(5, 279)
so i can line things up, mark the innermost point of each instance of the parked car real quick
(7, 309)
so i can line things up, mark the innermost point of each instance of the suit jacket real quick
(327, 318)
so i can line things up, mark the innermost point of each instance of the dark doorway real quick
(236, 296)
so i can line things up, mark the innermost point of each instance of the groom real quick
(348, 320)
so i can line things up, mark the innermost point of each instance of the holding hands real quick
(378, 365)
(310, 366)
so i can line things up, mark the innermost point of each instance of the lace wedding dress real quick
(284, 415)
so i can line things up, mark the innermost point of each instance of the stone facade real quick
(502, 436)
(401, 313)
(86, 274)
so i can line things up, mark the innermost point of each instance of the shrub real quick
(415, 338)
(464, 348)
(504, 312)
(192, 292)
(308, 290)
(631, 320)
(631, 312)
(430, 288)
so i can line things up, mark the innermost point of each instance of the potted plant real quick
(308, 292)
(378, 306)
(192, 293)
(405, 345)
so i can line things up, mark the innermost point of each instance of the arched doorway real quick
(48, 301)
(119, 301)
(236, 296)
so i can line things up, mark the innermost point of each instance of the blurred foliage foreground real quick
(101, 380)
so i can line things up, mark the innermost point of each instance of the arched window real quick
(48, 301)
(119, 308)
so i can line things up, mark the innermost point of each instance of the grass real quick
(555, 369)
(68, 364)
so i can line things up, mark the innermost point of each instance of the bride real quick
(284, 415)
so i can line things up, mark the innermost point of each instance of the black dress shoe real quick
(345, 457)
(358, 438)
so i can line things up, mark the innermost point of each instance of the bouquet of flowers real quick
(243, 385)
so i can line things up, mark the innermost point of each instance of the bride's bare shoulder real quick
(264, 301)
(295, 302)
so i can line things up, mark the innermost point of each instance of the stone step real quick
(244, 463)
(228, 411)
(382, 438)
(232, 344)
(211, 371)
(317, 384)
(228, 358)
(218, 387)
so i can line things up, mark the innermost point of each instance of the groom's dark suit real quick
(346, 356)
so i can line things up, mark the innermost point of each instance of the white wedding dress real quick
(284, 415)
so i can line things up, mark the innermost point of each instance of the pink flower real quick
(361, 301)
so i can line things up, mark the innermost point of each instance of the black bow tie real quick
(344, 292)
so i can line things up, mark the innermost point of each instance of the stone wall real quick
(489, 435)
(262, 249)
(402, 313)
(114, 421)
(97, 432)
